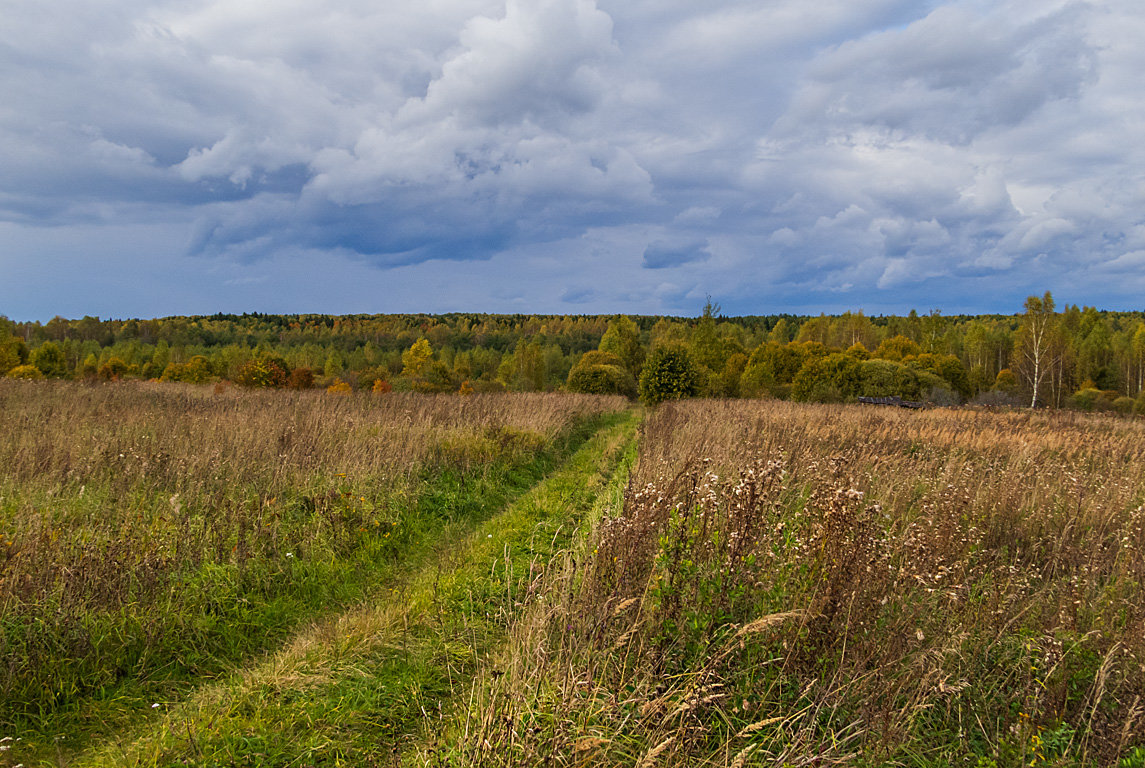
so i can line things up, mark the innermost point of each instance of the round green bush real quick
(601, 380)
(668, 374)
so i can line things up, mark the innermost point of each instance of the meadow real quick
(156, 536)
(789, 585)
(206, 576)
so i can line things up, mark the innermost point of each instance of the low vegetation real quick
(154, 536)
(795, 584)
(205, 575)
(361, 688)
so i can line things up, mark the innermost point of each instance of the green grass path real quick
(360, 689)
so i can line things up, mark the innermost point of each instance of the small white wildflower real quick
(290, 554)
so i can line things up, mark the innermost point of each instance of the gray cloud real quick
(663, 255)
(578, 295)
(883, 153)
(951, 76)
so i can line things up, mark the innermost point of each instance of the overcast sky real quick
(166, 157)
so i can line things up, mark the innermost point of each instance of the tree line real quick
(1074, 357)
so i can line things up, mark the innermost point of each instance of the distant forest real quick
(1041, 356)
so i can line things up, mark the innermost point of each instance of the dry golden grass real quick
(154, 521)
(796, 584)
(81, 467)
(184, 437)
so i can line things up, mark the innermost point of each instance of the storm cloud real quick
(571, 155)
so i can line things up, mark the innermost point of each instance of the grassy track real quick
(356, 690)
(153, 539)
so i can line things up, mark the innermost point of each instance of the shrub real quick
(197, 370)
(947, 367)
(113, 370)
(727, 383)
(785, 360)
(886, 378)
(1084, 399)
(896, 348)
(50, 360)
(89, 368)
(1092, 399)
(13, 352)
(622, 339)
(437, 378)
(489, 385)
(758, 379)
(943, 396)
(153, 370)
(936, 389)
(1124, 404)
(827, 379)
(598, 357)
(368, 377)
(339, 388)
(300, 378)
(1006, 382)
(601, 373)
(25, 372)
(263, 372)
(668, 374)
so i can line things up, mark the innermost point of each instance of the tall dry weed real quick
(958, 584)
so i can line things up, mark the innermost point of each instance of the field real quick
(154, 537)
(198, 576)
(836, 585)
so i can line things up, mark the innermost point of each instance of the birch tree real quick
(1036, 343)
(1139, 356)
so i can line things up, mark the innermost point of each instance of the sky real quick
(163, 157)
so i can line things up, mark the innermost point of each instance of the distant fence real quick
(892, 400)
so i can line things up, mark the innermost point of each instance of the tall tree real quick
(933, 327)
(416, 360)
(1139, 356)
(530, 374)
(780, 332)
(706, 346)
(1036, 342)
(853, 328)
(815, 329)
(623, 340)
